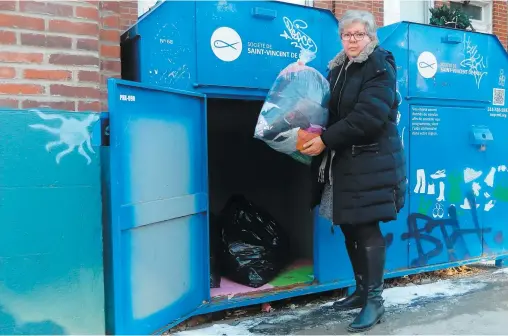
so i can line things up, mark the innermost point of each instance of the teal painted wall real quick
(51, 250)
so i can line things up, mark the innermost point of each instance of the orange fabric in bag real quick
(304, 137)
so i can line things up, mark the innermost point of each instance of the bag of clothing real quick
(255, 246)
(295, 110)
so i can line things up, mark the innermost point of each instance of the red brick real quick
(46, 41)
(45, 7)
(8, 5)
(80, 60)
(21, 89)
(110, 51)
(113, 6)
(11, 103)
(112, 21)
(19, 21)
(55, 75)
(7, 73)
(110, 35)
(18, 57)
(54, 104)
(89, 76)
(74, 91)
(87, 44)
(112, 66)
(77, 28)
(7, 37)
(87, 13)
(89, 106)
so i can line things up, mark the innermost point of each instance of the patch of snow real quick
(218, 329)
(501, 271)
(396, 296)
(239, 329)
(328, 304)
(446, 288)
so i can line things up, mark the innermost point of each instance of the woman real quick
(359, 164)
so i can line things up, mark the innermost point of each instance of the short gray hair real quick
(365, 17)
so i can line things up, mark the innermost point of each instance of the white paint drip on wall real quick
(471, 175)
(489, 180)
(467, 206)
(438, 211)
(441, 196)
(420, 182)
(73, 133)
(438, 174)
(476, 188)
(489, 205)
(432, 189)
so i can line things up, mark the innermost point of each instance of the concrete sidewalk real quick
(464, 306)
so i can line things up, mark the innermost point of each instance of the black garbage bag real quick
(215, 252)
(255, 247)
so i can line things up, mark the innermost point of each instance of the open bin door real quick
(159, 205)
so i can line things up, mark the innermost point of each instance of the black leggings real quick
(363, 234)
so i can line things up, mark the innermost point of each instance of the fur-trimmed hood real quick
(341, 57)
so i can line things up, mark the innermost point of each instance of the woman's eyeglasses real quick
(358, 36)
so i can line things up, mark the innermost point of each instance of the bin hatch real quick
(159, 205)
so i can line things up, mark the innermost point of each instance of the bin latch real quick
(480, 137)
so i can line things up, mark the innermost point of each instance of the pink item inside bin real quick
(230, 288)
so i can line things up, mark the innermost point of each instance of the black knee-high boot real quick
(374, 309)
(357, 299)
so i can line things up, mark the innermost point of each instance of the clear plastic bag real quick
(295, 110)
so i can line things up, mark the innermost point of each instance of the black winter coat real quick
(368, 166)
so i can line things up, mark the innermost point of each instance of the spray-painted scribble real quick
(71, 133)
(421, 227)
(473, 61)
(295, 32)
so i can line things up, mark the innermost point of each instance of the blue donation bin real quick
(181, 124)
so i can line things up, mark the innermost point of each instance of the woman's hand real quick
(313, 147)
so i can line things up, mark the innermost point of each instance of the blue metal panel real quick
(496, 152)
(331, 262)
(211, 46)
(159, 205)
(51, 268)
(445, 60)
(395, 39)
(444, 222)
(240, 34)
(167, 45)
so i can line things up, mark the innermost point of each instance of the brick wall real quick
(59, 54)
(128, 13)
(500, 21)
(376, 7)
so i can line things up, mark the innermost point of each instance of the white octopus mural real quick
(72, 133)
